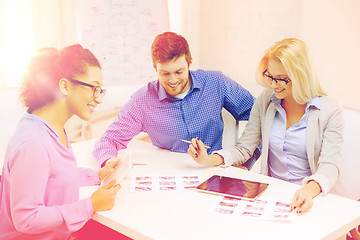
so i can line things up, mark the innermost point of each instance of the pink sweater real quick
(39, 194)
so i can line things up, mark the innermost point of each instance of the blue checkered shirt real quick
(167, 120)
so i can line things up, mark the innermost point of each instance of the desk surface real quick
(186, 215)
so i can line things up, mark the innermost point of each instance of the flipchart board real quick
(120, 34)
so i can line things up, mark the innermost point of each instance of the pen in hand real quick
(206, 146)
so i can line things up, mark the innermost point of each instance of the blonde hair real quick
(294, 56)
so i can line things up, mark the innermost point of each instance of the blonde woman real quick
(300, 127)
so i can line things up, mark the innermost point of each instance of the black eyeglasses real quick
(98, 91)
(279, 81)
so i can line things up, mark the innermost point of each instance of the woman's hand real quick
(109, 167)
(199, 153)
(303, 198)
(104, 198)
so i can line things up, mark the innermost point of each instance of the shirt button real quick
(188, 122)
(183, 103)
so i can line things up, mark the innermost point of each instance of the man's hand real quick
(198, 152)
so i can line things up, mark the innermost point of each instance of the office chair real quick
(348, 184)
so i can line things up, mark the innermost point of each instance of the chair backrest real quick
(232, 129)
(348, 184)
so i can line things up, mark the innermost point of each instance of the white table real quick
(186, 215)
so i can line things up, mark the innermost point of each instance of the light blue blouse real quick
(287, 147)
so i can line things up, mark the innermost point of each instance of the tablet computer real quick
(232, 187)
(122, 169)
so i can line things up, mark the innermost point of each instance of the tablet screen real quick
(232, 187)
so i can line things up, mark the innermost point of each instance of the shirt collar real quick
(39, 119)
(273, 99)
(162, 93)
(194, 84)
(315, 102)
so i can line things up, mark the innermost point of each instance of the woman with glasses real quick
(39, 194)
(300, 127)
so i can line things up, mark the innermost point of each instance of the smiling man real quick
(182, 104)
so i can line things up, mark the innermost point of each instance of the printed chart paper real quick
(254, 208)
(154, 183)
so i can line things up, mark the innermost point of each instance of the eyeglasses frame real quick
(101, 92)
(286, 81)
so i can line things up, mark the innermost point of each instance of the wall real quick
(231, 36)
(331, 29)
(11, 111)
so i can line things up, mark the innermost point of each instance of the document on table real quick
(122, 169)
(157, 183)
(260, 209)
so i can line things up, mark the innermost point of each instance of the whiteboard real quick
(120, 34)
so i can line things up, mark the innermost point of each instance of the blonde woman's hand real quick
(303, 198)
